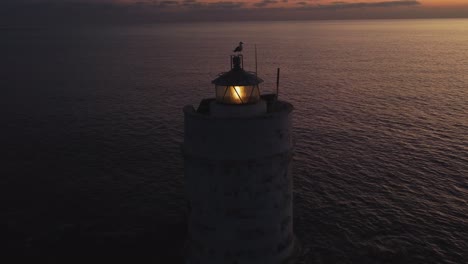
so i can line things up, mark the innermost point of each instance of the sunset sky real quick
(148, 11)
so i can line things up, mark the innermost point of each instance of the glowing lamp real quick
(237, 87)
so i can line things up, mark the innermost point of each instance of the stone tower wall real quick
(239, 186)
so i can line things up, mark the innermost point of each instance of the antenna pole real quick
(277, 82)
(256, 69)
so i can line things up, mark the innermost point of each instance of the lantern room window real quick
(237, 86)
(236, 94)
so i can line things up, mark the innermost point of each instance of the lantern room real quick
(237, 87)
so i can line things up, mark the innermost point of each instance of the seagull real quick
(239, 48)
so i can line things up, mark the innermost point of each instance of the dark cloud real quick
(191, 4)
(64, 12)
(264, 3)
(347, 5)
(225, 5)
(169, 3)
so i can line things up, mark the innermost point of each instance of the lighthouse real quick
(237, 152)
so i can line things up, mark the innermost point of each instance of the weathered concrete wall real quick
(239, 185)
(237, 138)
(226, 111)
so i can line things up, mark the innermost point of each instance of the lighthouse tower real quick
(238, 148)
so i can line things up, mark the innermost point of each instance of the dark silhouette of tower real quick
(238, 148)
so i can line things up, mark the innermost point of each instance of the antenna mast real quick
(256, 68)
(277, 82)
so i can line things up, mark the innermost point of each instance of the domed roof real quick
(237, 77)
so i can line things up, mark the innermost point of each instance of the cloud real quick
(348, 5)
(63, 12)
(189, 4)
(264, 3)
(225, 5)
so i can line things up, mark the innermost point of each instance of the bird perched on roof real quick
(239, 48)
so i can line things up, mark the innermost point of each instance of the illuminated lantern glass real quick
(237, 86)
(235, 94)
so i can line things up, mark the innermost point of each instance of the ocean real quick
(92, 124)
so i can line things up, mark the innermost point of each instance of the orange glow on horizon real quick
(447, 3)
(295, 3)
